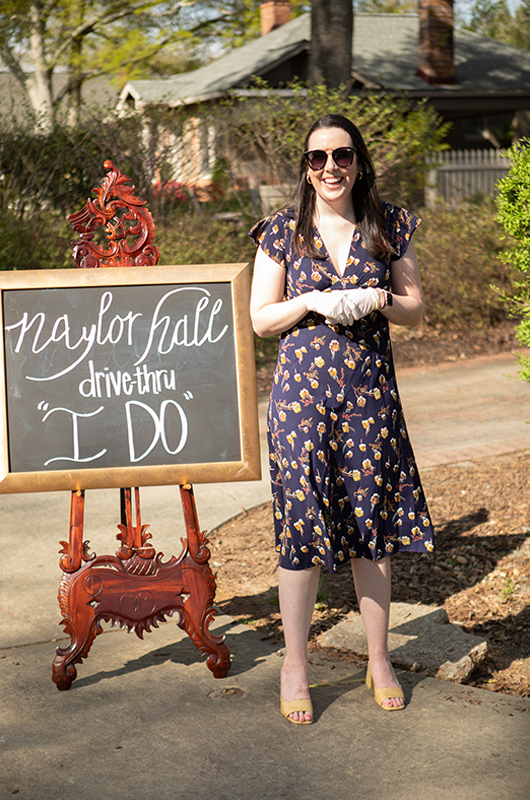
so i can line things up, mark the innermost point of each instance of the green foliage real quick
(491, 18)
(265, 350)
(56, 169)
(243, 23)
(197, 238)
(27, 245)
(386, 6)
(270, 127)
(46, 175)
(458, 252)
(514, 206)
(275, 599)
(514, 215)
(495, 19)
(124, 38)
(322, 595)
(191, 238)
(521, 28)
(508, 590)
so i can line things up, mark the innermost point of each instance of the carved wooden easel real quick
(135, 587)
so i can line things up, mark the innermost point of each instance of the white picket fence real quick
(458, 174)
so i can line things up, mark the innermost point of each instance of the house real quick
(98, 94)
(478, 84)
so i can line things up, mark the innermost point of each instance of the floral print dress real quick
(343, 475)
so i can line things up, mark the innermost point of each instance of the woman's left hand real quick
(363, 301)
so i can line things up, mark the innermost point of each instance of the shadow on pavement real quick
(245, 647)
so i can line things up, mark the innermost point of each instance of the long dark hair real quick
(365, 197)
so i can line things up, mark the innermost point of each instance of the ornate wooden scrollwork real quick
(133, 537)
(126, 220)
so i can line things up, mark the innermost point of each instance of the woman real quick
(329, 276)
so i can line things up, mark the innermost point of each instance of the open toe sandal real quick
(291, 706)
(380, 695)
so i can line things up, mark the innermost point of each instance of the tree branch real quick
(13, 65)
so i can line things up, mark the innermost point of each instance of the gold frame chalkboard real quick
(247, 468)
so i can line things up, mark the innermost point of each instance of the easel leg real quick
(198, 609)
(78, 622)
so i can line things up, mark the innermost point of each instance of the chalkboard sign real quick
(127, 377)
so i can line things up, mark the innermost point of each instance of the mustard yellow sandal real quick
(380, 695)
(290, 706)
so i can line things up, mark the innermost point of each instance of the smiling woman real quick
(332, 172)
(330, 274)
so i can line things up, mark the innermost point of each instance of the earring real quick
(360, 175)
(308, 179)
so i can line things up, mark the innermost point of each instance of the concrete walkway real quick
(474, 408)
(146, 720)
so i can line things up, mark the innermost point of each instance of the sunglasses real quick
(342, 156)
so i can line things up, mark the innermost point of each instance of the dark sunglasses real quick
(342, 156)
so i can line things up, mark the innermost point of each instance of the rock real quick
(460, 671)
(420, 639)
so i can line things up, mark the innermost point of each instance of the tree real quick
(92, 37)
(491, 18)
(331, 42)
(521, 28)
(494, 18)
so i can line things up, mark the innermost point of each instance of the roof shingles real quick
(385, 51)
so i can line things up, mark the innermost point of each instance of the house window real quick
(473, 129)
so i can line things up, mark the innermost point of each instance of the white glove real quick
(331, 305)
(362, 302)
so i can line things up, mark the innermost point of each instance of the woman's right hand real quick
(270, 313)
(331, 305)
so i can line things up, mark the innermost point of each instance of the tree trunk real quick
(39, 85)
(331, 42)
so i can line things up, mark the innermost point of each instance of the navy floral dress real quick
(344, 479)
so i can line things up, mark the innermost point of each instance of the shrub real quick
(201, 239)
(458, 251)
(28, 244)
(56, 170)
(514, 215)
(46, 176)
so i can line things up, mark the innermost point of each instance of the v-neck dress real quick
(343, 475)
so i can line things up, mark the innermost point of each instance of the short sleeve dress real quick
(344, 479)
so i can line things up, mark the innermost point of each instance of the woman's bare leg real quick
(372, 585)
(298, 592)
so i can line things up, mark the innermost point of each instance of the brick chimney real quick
(436, 44)
(273, 14)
